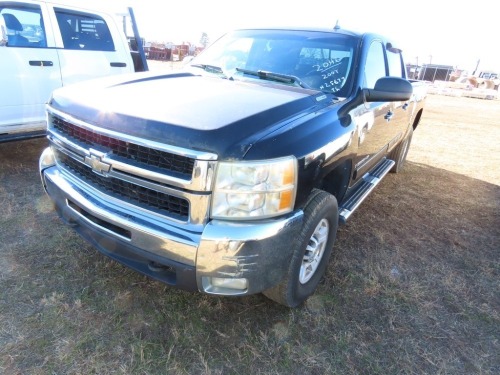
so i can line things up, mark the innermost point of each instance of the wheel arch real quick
(337, 180)
(416, 121)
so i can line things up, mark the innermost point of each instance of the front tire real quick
(312, 251)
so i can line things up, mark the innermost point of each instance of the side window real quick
(395, 63)
(83, 31)
(375, 64)
(22, 27)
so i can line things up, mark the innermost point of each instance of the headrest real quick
(12, 22)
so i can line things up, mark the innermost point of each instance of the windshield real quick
(318, 60)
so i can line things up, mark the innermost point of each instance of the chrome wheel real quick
(314, 251)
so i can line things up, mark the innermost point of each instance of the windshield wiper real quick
(278, 77)
(209, 68)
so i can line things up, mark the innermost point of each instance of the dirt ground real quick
(412, 286)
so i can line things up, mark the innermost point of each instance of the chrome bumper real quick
(225, 258)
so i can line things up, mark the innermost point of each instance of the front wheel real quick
(312, 251)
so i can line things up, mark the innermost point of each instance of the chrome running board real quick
(365, 187)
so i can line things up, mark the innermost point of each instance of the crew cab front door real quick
(379, 124)
(29, 66)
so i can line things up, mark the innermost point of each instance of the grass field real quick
(412, 286)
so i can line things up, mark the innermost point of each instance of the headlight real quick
(254, 189)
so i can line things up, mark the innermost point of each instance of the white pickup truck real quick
(48, 44)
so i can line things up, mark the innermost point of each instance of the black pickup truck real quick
(231, 176)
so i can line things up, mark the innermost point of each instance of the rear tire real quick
(400, 152)
(312, 251)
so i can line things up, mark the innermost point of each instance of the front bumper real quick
(258, 253)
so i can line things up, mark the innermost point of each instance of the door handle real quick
(118, 64)
(388, 116)
(41, 63)
(405, 106)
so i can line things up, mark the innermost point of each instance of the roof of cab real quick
(333, 30)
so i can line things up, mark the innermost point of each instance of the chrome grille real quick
(141, 196)
(142, 155)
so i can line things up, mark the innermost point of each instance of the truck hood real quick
(196, 112)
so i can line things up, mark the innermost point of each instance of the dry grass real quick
(412, 287)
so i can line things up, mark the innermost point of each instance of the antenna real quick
(336, 27)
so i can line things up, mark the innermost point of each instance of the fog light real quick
(224, 286)
(46, 160)
(220, 282)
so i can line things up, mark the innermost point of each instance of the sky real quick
(437, 31)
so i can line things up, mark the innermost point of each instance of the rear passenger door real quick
(89, 45)
(401, 110)
(29, 67)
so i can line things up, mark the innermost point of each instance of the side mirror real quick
(389, 89)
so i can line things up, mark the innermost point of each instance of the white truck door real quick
(90, 45)
(29, 66)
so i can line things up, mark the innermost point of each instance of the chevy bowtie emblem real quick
(95, 162)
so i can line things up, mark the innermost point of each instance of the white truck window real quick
(22, 26)
(83, 31)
